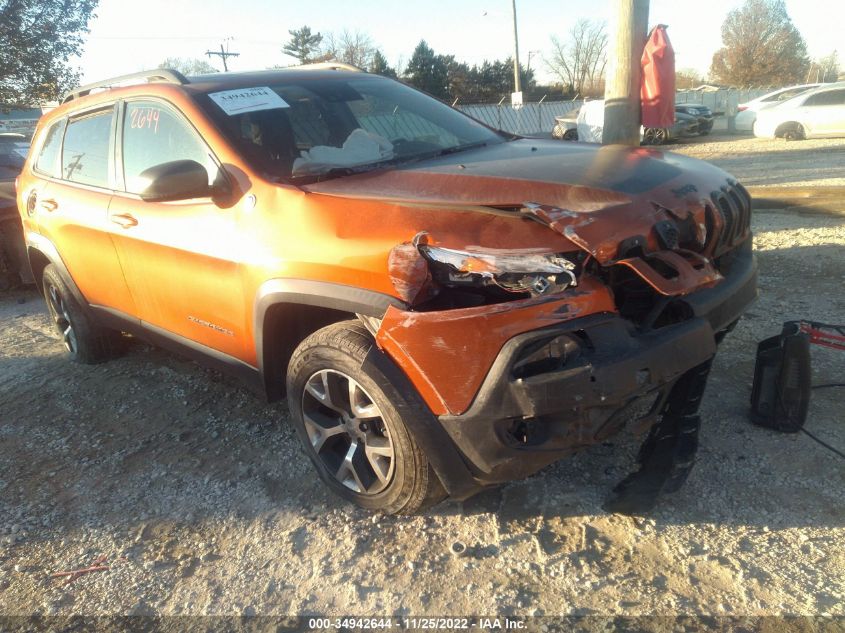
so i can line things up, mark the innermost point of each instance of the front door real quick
(180, 258)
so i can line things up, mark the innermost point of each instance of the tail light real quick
(741, 108)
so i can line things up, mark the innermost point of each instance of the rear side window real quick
(830, 97)
(85, 154)
(152, 135)
(48, 158)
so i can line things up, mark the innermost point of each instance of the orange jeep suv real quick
(444, 306)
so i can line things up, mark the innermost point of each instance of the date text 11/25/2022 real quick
(417, 624)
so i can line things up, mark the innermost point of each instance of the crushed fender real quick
(454, 348)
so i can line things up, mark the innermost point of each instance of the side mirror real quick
(176, 180)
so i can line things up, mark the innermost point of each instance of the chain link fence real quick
(539, 118)
(531, 118)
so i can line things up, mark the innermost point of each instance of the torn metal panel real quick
(447, 353)
(409, 273)
(691, 272)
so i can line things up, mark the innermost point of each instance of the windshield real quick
(317, 128)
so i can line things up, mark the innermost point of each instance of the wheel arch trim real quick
(41, 244)
(322, 294)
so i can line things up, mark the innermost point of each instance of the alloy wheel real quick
(347, 432)
(61, 318)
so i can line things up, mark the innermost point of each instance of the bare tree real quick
(761, 47)
(188, 65)
(688, 78)
(825, 69)
(351, 47)
(580, 61)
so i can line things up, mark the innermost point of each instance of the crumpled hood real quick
(578, 176)
(599, 196)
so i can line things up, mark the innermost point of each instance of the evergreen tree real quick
(303, 44)
(428, 72)
(380, 66)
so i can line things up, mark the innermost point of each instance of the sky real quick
(127, 37)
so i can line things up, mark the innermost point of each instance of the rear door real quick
(824, 113)
(72, 202)
(181, 258)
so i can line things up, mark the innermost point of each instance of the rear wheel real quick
(793, 132)
(84, 341)
(347, 416)
(655, 136)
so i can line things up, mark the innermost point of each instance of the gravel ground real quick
(198, 498)
(814, 162)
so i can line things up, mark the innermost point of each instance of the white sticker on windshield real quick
(248, 100)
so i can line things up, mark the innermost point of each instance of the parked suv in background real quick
(445, 306)
(14, 268)
(702, 113)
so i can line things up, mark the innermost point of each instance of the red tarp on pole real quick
(658, 88)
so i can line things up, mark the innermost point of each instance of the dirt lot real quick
(201, 501)
(814, 162)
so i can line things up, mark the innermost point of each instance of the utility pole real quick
(622, 91)
(517, 85)
(223, 54)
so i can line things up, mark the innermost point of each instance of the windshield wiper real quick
(461, 148)
(350, 170)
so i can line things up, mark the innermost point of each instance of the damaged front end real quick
(528, 355)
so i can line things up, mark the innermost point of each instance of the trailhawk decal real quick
(211, 325)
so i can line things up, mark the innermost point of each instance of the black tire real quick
(85, 341)
(793, 132)
(315, 380)
(570, 135)
(655, 136)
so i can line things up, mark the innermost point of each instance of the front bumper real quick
(516, 426)
(705, 124)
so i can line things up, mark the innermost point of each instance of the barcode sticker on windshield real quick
(247, 100)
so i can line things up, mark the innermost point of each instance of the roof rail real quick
(159, 74)
(328, 66)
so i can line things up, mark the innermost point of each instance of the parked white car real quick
(747, 112)
(814, 114)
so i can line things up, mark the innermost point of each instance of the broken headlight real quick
(526, 270)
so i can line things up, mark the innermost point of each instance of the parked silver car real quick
(817, 113)
(747, 112)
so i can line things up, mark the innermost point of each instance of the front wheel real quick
(347, 418)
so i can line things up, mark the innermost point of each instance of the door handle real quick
(49, 205)
(124, 219)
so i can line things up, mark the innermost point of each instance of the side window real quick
(48, 158)
(85, 153)
(830, 97)
(153, 134)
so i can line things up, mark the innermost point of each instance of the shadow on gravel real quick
(756, 168)
(152, 438)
